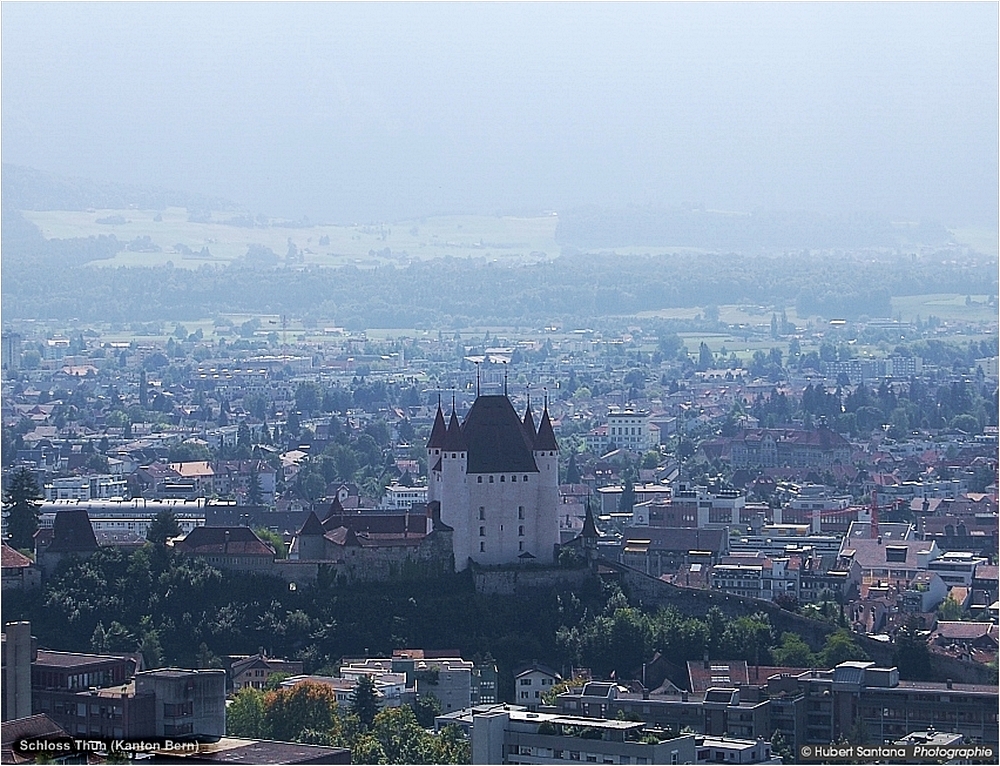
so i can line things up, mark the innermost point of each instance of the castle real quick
(495, 478)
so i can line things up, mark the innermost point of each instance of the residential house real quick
(531, 682)
(255, 670)
(19, 571)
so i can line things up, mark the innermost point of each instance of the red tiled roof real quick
(14, 558)
(236, 541)
(964, 631)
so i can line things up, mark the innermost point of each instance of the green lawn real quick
(947, 306)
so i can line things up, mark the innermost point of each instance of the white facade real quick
(98, 487)
(506, 515)
(126, 515)
(400, 498)
(531, 684)
(630, 429)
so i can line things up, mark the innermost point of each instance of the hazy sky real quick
(371, 111)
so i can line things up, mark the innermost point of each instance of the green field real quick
(947, 306)
(499, 237)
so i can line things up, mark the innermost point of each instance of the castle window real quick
(525, 478)
(482, 531)
(520, 531)
(520, 511)
(491, 479)
(482, 547)
(502, 478)
(513, 478)
(520, 546)
(479, 479)
(482, 513)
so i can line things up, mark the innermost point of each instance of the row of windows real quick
(520, 531)
(503, 478)
(625, 431)
(482, 512)
(520, 546)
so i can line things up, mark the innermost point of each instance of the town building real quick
(631, 429)
(504, 734)
(19, 571)
(254, 671)
(532, 682)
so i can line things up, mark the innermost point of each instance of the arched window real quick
(482, 513)
(482, 531)
(491, 479)
(479, 479)
(482, 547)
(520, 511)
(503, 478)
(520, 531)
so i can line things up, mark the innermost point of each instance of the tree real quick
(275, 539)
(306, 706)
(364, 701)
(163, 527)
(21, 507)
(254, 490)
(912, 656)
(950, 609)
(426, 709)
(840, 647)
(572, 472)
(401, 737)
(793, 652)
(781, 748)
(245, 714)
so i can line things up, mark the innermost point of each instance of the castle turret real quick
(434, 445)
(546, 454)
(309, 543)
(529, 424)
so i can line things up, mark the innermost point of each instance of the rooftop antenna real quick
(453, 400)
(546, 398)
(505, 378)
(477, 380)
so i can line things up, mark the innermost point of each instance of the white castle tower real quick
(497, 482)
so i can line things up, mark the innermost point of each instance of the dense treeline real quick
(458, 292)
(309, 712)
(859, 410)
(181, 611)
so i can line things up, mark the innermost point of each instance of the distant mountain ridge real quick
(25, 188)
